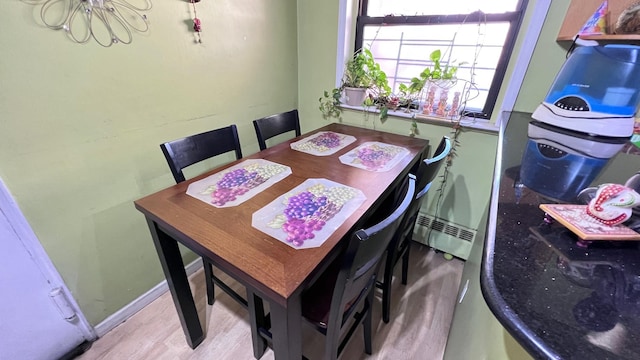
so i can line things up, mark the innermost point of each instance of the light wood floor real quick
(420, 320)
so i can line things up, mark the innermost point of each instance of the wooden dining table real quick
(275, 271)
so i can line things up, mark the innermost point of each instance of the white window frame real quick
(510, 87)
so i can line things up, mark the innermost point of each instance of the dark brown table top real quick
(226, 234)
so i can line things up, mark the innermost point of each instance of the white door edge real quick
(20, 225)
(523, 58)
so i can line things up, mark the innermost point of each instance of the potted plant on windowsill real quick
(437, 76)
(355, 79)
(362, 81)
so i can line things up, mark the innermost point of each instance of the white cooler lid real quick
(575, 142)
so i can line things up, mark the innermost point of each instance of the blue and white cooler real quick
(558, 163)
(597, 91)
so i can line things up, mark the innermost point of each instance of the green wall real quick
(475, 333)
(82, 124)
(546, 61)
(467, 192)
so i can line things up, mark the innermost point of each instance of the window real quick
(478, 34)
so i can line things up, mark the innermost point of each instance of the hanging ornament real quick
(197, 25)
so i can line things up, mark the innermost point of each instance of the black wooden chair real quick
(193, 149)
(273, 125)
(401, 244)
(345, 290)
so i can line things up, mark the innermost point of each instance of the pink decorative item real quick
(197, 24)
(455, 104)
(431, 98)
(442, 103)
(576, 218)
(613, 204)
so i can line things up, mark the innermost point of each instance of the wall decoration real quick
(108, 22)
(597, 23)
(197, 25)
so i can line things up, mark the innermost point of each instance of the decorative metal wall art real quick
(108, 22)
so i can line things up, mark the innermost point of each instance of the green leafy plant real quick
(430, 73)
(361, 71)
(330, 104)
(355, 72)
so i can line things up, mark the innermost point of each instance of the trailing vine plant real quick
(456, 129)
(438, 75)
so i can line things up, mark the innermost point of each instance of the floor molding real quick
(138, 304)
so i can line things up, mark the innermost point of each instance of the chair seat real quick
(316, 301)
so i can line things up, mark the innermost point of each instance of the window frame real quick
(514, 18)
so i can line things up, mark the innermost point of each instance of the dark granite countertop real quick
(559, 297)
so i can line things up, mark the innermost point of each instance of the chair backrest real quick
(195, 148)
(429, 168)
(273, 125)
(426, 173)
(361, 261)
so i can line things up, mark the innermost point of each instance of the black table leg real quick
(258, 321)
(286, 329)
(173, 267)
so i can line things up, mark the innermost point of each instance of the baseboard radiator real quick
(428, 223)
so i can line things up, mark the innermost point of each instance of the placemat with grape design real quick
(323, 143)
(306, 216)
(238, 183)
(374, 156)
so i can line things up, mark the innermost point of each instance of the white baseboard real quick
(138, 304)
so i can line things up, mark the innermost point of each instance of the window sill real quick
(466, 122)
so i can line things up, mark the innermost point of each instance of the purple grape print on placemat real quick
(321, 143)
(328, 140)
(307, 212)
(234, 184)
(375, 157)
(237, 182)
